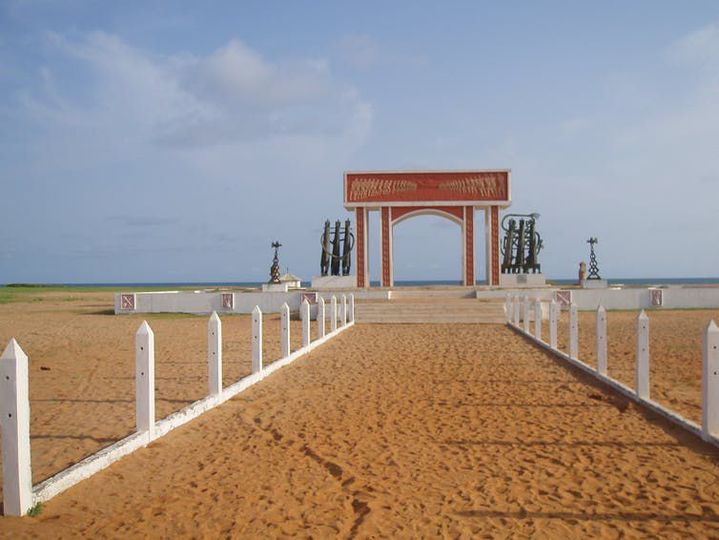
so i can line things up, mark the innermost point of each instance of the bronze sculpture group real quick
(337, 247)
(522, 244)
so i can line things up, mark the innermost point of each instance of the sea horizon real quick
(374, 283)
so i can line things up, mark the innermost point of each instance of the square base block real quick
(594, 284)
(274, 287)
(334, 282)
(522, 280)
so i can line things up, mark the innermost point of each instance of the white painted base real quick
(334, 282)
(594, 284)
(275, 287)
(521, 281)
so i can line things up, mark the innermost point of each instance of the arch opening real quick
(413, 262)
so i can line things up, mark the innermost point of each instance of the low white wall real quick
(674, 298)
(620, 298)
(204, 303)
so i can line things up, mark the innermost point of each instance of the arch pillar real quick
(468, 272)
(387, 278)
(491, 227)
(362, 240)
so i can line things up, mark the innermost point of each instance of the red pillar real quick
(469, 275)
(494, 224)
(361, 247)
(386, 242)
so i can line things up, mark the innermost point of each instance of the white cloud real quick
(231, 95)
(700, 48)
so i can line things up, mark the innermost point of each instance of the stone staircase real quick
(430, 309)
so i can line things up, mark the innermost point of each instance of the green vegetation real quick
(28, 292)
(36, 510)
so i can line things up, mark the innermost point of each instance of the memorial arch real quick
(452, 194)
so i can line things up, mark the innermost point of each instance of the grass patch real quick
(36, 510)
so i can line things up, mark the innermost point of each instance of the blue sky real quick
(171, 141)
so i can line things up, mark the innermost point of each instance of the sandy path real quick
(407, 431)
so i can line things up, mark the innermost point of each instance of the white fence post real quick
(710, 381)
(145, 379)
(305, 316)
(602, 340)
(508, 307)
(321, 317)
(15, 425)
(553, 316)
(642, 380)
(256, 340)
(333, 313)
(525, 315)
(515, 311)
(214, 354)
(285, 330)
(573, 331)
(352, 307)
(538, 319)
(343, 309)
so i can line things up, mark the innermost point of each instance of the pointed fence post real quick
(305, 316)
(343, 309)
(710, 381)
(214, 354)
(352, 307)
(145, 379)
(573, 331)
(538, 319)
(602, 340)
(508, 307)
(333, 313)
(285, 330)
(256, 340)
(15, 426)
(321, 317)
(642, 380)
(553, 316)
(525, 315)
(515, 311)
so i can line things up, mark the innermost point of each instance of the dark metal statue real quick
(325, 257)
(275, 268)
(593, 266)
(335, 261)
(336, 258)
(347, 245)
(522, 244)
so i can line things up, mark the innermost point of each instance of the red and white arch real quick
(454, 195)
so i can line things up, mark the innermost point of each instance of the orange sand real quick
(420, 430)
(675, 348)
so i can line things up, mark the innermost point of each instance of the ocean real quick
(405, 283)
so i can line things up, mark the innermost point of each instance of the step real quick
(432, 311)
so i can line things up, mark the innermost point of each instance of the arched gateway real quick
(452, 194)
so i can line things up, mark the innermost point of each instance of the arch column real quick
(468, 272)
(362, 222)
(387, 278)
(491, 226)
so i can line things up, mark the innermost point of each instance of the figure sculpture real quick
(522, 244)
(582, 271)
(336, 257)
